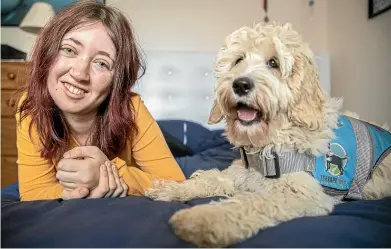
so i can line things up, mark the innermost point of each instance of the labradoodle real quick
(300, 155)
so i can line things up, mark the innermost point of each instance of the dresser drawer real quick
(13, 75)
(6, 110)
(8, 137)
(9, 170)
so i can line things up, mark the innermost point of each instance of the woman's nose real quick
(80, 70)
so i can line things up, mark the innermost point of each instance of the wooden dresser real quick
(13, 76)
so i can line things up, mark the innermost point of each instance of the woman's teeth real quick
(73, 89)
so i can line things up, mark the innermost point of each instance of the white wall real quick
(360, 58)
(203, 24)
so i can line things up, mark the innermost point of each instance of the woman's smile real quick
(73, 91)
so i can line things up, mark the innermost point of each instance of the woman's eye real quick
(68, 50)
(102, 64)
(238, 61)
(272, 63)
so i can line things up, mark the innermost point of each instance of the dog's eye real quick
(272, 63)
(238, 61)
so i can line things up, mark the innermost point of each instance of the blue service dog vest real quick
(357, 149)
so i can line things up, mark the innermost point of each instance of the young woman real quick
(81, 132)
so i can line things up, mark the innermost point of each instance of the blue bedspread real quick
(141, 222)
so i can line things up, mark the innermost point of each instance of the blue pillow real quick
(189, 133)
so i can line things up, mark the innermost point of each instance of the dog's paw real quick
(205, 226)
(163, 191)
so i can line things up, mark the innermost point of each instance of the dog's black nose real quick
(242, 86)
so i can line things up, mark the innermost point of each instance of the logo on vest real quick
(336, 159)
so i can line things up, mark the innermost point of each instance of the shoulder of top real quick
(136, 101)
(135, 98)
(27, 120)
(22, 98)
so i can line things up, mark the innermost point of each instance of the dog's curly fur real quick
(295, 114)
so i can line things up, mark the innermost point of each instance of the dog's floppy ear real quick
(216, 114)
(306, 109)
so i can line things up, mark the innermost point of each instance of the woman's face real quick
(81, 76)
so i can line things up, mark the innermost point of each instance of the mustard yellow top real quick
(145, 158)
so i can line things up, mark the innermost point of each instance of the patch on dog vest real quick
(337, 168)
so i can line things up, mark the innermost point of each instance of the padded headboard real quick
(180, 84)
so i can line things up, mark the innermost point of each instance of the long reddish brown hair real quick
(115, 122)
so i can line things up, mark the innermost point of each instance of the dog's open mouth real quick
(248, 115)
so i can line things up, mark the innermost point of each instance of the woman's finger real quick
(103, 186)
(125, 187)
(69, 185)
(119, 189)
(112, 184)
(66, 176)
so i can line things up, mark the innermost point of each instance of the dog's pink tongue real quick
(247, 114)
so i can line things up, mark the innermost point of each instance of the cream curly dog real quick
(276, 113)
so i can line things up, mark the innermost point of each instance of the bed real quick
(177, 89)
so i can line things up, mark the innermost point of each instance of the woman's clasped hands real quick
(86, 172)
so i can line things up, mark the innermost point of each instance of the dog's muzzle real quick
(242, 86)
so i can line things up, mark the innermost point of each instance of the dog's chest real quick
(356, 150)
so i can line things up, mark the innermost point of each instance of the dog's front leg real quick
(203, 183)
(236, 219)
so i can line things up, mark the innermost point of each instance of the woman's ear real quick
(215, 115)
(306, 109)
